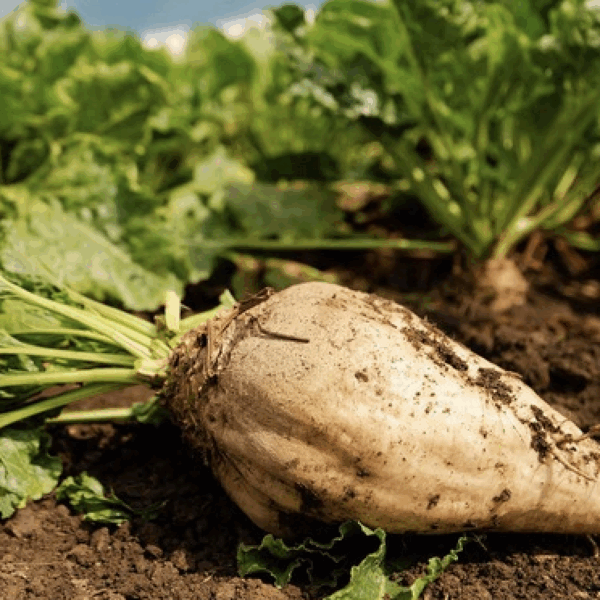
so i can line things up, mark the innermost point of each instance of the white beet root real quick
(329, 404)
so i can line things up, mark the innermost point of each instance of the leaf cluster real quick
(489, 110)
(327, 564)
(51, 336)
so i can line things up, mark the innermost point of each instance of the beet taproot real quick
(322, 403)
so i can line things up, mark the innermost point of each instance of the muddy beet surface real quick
(47, 552)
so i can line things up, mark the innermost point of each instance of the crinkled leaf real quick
(86, 495)
(369, 579)
(27, 471)
(435, 568)
(325, 562)
(271, 556)
(114, 100)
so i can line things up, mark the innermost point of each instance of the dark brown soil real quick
(46, 552)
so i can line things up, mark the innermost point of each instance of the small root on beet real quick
(572, 468)
(592, 432)
(278, 336)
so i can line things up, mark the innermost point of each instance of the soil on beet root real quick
(189, 551)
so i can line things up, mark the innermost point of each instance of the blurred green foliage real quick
(489, 108)
(127, 172)
(115, 160)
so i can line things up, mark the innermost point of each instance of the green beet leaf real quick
(80, 256)
(27, 471)
(327, 564)
(87, 496)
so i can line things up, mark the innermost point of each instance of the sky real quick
(158, 21)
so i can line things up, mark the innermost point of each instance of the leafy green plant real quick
(132, 163)
(53, 336)
(70, 173)
(488, 109)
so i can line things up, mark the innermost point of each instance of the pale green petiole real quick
(131, 322)
(130, 339)
(226, 300)
(66, 333)
(172, 311)
(41, 406)
(49, 378)
(52, 353)
(102, 415)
